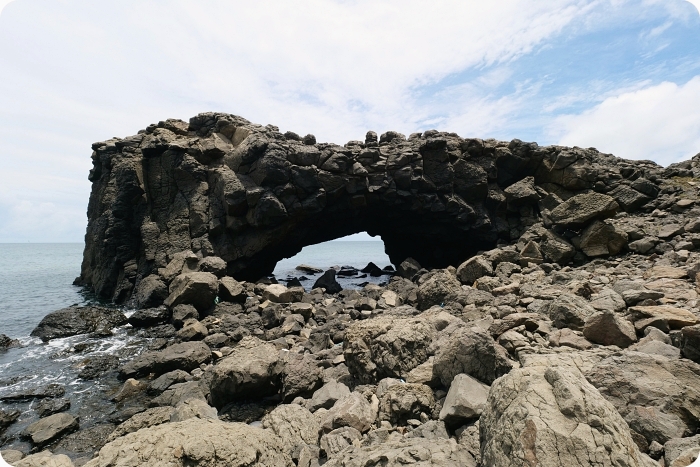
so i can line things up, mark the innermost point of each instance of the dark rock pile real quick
(559, 325)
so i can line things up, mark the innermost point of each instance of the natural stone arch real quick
(220, 185)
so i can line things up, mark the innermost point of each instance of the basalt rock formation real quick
(248, 194)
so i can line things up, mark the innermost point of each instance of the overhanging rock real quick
(220, 185)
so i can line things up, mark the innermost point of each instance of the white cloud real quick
(695, 3)
(660, 122)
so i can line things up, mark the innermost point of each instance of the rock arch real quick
(223, 186)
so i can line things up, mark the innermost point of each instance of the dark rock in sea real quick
(97, 366)
(76, 320)
(150, 317)
(328, 282)
(48, 407)
(373, 270)
(185, 356)
(7, 418)
(51, 428)
(7, 343)
(42, 392)
(309, 269)
(84, 443)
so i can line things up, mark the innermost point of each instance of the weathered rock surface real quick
(553, 417)
(51, 428)
(293, 425)
(465, 401)
(44, 459)
(185, 356)
(78, 320)
(195, 442)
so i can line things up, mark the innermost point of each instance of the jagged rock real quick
(473, 269)
(675, 448)
(198, 289)
(440, 288)
(555, 249)
(183, 313)
(302, 376)
(530, 254)
(192, 330)
(472, 351)
(602, 239)
(432, 429)
(149, 417)
(7, 343)
(130, 389)
(675, 317)
(567, 338)
(43, 459)
(50, 428)
(76, 320)
(418, 451)
(326, 396)
(569, 311)
(277, 293)
(607, 328)
(166, 380)
(465, 401)
(48, 407)
(185, 356)
(327, 281)
(195, 441)
(231, 290)
(552, 417)
(405, 401)
(522, 193)
(7, 418)
(253, 369)
(193, 408)
(41, 392)
(408, 268)
(293, 425)
(149, 317)
(150, 292)
(579, 210)
(352, 410)
(212, 264)
(335, 441)
(690, 342)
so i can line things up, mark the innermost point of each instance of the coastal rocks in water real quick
(48, 407)
(147, 317)
(253, 369)
(185, 356)
(51, 428)
(552, 417)
(309, 269)
(96, 366)
(43, 459)
(76, 320)
(7, 343)
(327, 281)
(7, 418)
(195, 442)
(396, 453)
(198, 289)
(41, 392)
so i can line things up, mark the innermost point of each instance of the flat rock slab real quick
(76, 320)
(51, 428)
(676, 317)
(667, 272)
(185, 356)
(42, 392)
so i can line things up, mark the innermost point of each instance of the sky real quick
(619, 75)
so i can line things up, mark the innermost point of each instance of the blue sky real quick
(619, 75)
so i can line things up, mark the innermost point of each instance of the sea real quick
(37, 279)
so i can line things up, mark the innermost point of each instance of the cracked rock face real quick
(551, 416)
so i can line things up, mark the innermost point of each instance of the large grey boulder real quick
(579, 210)
(569, 311)
(51, 428)
(412, 451)
(405, 401)
(607, 328)
(293, 425)
(326, 396)
(185, 356)
(465, 401)
(253, 369)
(352, 410)
(471, 351)
(473, 269)
(193, 408)
(198, 289)
(602, 239)
(151, 291)
(552, 417)
(147, 418)
(206, 443)
(441, 287)
(690, 342)
(76, 320)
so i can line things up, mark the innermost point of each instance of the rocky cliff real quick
(222, 186)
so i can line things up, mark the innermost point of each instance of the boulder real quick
(352, 410)
(76, 320)
(555, 249)
(327, 281)
(185, 356)
(48, 407)
(335, 441)
(294, 425)
(302, 376)
(567, 338)
(674, 448)
(150, 317)
(675, 317)
(522, 193)
(51, 428)
(397, 453)
(7, 418)
(147, 418)
(327, 395)
(474, 268)
(465, 401)
(607, 328)
(579, 210)
(441, 287)
(231, 290)
(253, 369)
(212, 264)
(569, 311)
(530, 253)
(195, 442)
(602, 239)
(43, 459)
(198, 289)
(193, 408)
(552, 417)
(182, 313)
(192, 330)
(472, 351)
(405, 401)
(277, 293)
(151, 291)
(408, 268)
(166, 380)
(690, 342)
(7, 343)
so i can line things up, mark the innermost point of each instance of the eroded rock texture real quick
(222, 186)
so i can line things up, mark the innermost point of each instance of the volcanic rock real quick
(76, 320)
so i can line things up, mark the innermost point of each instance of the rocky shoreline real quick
(573, 340)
